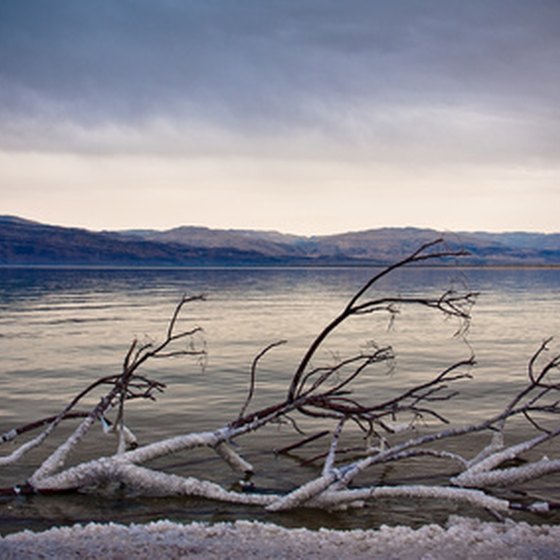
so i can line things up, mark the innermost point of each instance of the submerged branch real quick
(319, 396)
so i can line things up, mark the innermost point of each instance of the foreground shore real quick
(461, 539)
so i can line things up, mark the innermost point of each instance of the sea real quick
(63, 328)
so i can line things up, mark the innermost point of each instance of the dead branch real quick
(253, 380)
(323, 393)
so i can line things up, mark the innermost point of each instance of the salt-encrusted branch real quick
(507, 476)
(496, 444)
(127, 385)
(56, 460)
(329, 461)
(324, 393)
(331, 499)
(51, 423)
(304, 493)
(233, 459)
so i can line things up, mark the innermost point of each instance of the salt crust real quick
(461, 539)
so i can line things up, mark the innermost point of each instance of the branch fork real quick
(323, 394)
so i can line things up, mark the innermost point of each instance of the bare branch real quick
(390, 429)
(258, 357)
(301, 443)
(352, 307)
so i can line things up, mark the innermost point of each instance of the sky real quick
(302, 116)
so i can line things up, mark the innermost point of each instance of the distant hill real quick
(25, 242)
(375, 246)
(267, 243)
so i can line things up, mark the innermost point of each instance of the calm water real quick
(61, 328)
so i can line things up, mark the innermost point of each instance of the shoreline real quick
(461, 538)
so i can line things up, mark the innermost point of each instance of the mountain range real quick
(27, 243)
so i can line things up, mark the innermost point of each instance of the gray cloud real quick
(259, 63)
(439, 96)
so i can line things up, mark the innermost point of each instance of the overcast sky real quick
(304, 116)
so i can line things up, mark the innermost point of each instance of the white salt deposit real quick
(461, 539)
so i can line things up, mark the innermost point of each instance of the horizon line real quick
(277, 231)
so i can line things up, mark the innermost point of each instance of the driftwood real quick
(324, 394)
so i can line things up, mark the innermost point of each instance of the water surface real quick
(62, 328)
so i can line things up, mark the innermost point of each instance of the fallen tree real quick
(316, 393)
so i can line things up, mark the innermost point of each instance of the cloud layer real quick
(431, 97)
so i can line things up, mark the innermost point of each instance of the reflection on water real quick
(62, 328)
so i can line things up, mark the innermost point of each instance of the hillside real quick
(24, 242)
(377, 246)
